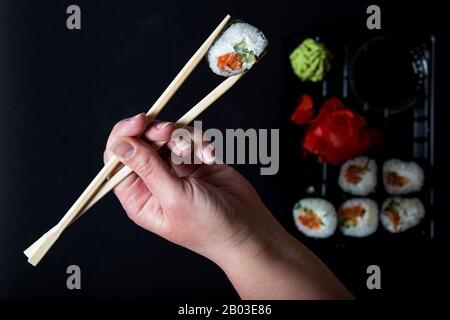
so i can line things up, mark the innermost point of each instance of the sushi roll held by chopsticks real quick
(237, 49)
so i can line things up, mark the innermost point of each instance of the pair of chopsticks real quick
(100, 186)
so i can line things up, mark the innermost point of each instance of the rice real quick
(400, 177)
(237, 49)
(358, 176)
(315, 217)
(358, 217)
(400, 214)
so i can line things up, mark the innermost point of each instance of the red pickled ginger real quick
(337, 134)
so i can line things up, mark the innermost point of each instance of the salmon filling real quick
(354, 174)
(230, 60)
(394, 217)
(351, 214)
(394, 179)
(310, 220)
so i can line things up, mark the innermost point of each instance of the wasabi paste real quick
(311, 60)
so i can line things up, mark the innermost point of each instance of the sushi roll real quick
(401, 177)
(400, 214)
(358, 217)
(358, 176)
(315, 217)
(237, 49)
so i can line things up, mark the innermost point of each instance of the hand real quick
(210, 209)
(214, 211)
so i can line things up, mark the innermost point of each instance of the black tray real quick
(408, 135)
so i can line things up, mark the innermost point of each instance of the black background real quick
(62, 91)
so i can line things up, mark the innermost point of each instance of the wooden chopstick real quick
(190, 116)
(181, 123)
(41, 249)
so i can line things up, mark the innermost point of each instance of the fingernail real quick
(208, 155)
(123, 149)
(162, 125)
(182, 145)
(135, 117)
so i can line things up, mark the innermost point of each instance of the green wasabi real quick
(310, 190)
(311, 60)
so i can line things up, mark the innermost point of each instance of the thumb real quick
(149, 166)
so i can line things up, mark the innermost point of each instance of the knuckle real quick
(144, 165)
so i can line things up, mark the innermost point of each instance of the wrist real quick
(265, 241)
(271, 264)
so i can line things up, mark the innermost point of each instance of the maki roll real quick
(315, 217)
(358, 217)
(237, 49)
(400, 214)
(401, 177)
(358, 176)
